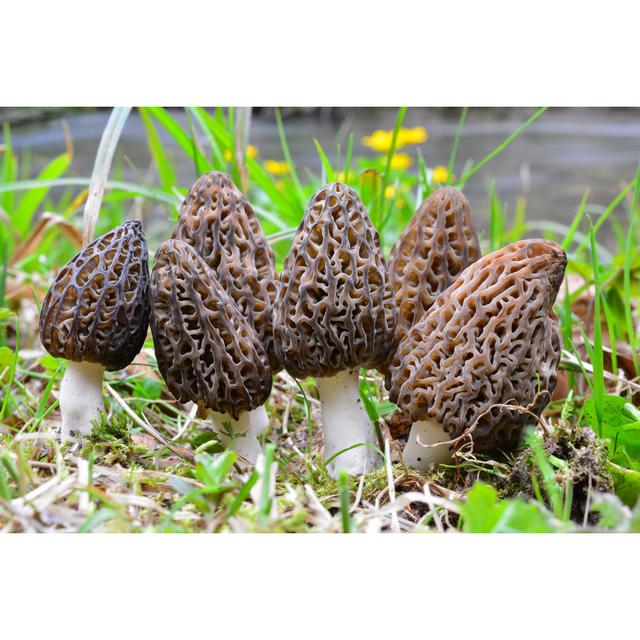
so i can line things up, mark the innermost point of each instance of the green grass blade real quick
(501, 147)
(456, 141)
(347, 159)
(422, 172)
(330, 173)
(496, 220)
(101, 168)
(156, 148)
(31, 200)
(258, 174)
(207, 123)
(265, 495)
(301, 198)
(133, 190)
(608, 211)
(9, 170)
(575, 224)
(182, 138)
(345, 506)
(12, 373)
(385, 177)
(628, 251)
(597, 361)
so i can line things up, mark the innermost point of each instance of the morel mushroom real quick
(220, 224)
(207, 352)
(96, 315)
(437, 245)
(490, 342)
(334, 313)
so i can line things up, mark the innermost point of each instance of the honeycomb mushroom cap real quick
(207, 352)
(220, 224)
(97, 309)
(491, 338)
(334, 309)
(436, 246)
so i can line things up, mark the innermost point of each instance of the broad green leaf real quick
(620, 427)
(205, 437)
(484, 513)
(6, 360)
(149, 388)
(626, 482)
(5, 314)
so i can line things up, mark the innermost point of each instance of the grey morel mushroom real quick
(207, 352)
(436, 246)
(219, 223)
(491, 339)
(95, 315)
(334, 313)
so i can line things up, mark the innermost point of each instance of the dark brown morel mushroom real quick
(491, 339)
(95, 315)
(220, 224)
(437, 245)
(207, 352)
(334, 313)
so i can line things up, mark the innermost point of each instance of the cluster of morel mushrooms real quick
(469, 345)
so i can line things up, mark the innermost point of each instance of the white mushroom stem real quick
(80, 398)
(346, 423)
(426, 432)
(240, 435)
(259, 420)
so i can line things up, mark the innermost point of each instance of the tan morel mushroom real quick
(489, 340)
(334, 313)
(95, 315)
(207, 352)
(437, 245)
(220, 224)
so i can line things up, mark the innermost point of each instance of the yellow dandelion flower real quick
(416, 135)
(251, 152)
(389, 191)
(379, 140)
(276, 167)
(439, 174)
(401, 161)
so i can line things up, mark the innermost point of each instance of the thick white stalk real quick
(259, 420)
(80, 398)
(238, 435)
(426, 432)
(345, 423)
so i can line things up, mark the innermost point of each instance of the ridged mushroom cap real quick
(436, 246)
(491, 338)
(97, 309)
(334, 309)
(207, 352)
(219, 223)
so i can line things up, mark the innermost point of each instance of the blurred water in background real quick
(553, 163)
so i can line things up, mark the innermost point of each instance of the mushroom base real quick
(239, 435)
(426, 432)
(346, 423)
(80, 398)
